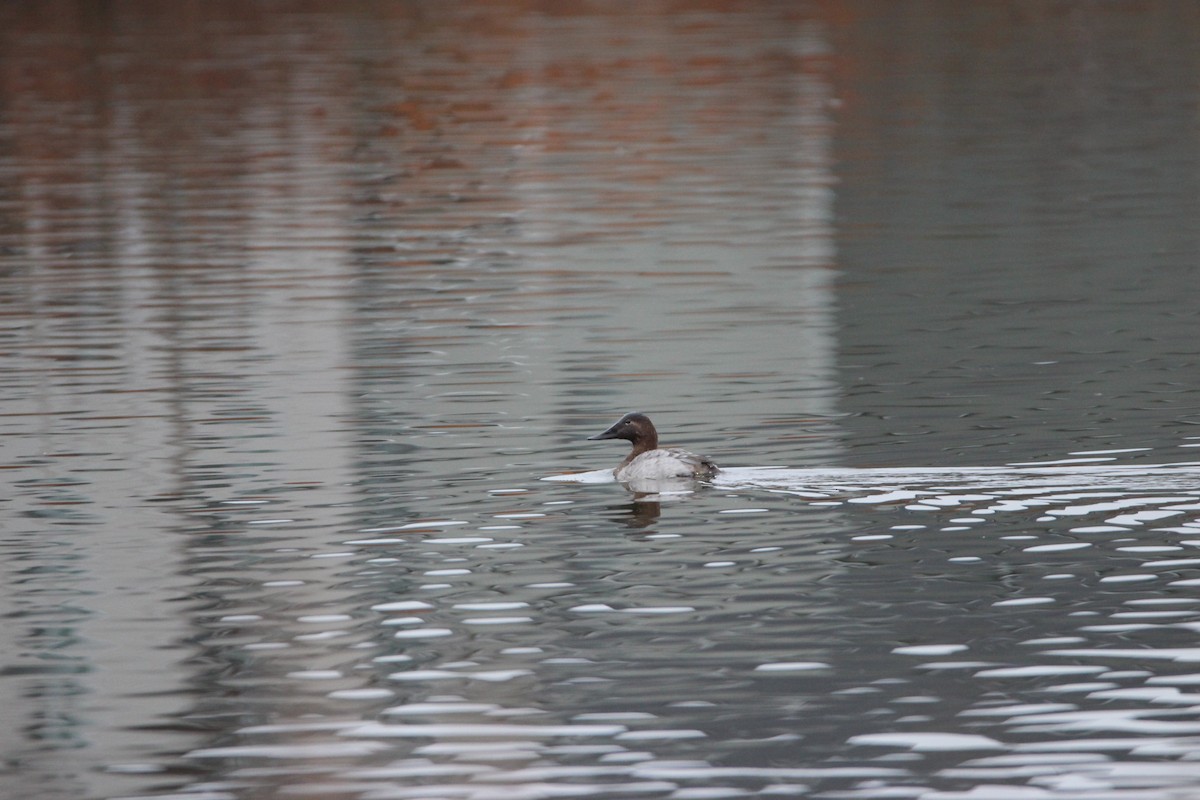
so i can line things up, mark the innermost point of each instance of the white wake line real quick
(1016, 478)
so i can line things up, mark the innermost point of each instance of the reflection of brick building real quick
(273, 273)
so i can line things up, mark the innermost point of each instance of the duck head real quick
(634, 427)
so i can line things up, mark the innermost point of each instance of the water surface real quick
(302, 304)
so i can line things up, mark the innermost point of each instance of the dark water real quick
(302, 301)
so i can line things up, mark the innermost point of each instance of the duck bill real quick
(611, 433)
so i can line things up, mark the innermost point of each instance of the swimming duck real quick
(648, 461)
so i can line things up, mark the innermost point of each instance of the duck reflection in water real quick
(649, 496)
(642, 513)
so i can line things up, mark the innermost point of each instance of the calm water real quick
(302, 302)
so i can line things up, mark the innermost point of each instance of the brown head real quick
(635, 427)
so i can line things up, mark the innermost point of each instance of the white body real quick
(661, 464)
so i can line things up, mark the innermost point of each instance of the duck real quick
(648, 461)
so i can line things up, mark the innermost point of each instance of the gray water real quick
(304, 303)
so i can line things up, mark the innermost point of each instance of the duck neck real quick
(643, 444)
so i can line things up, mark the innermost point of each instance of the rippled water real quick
(309, 309)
